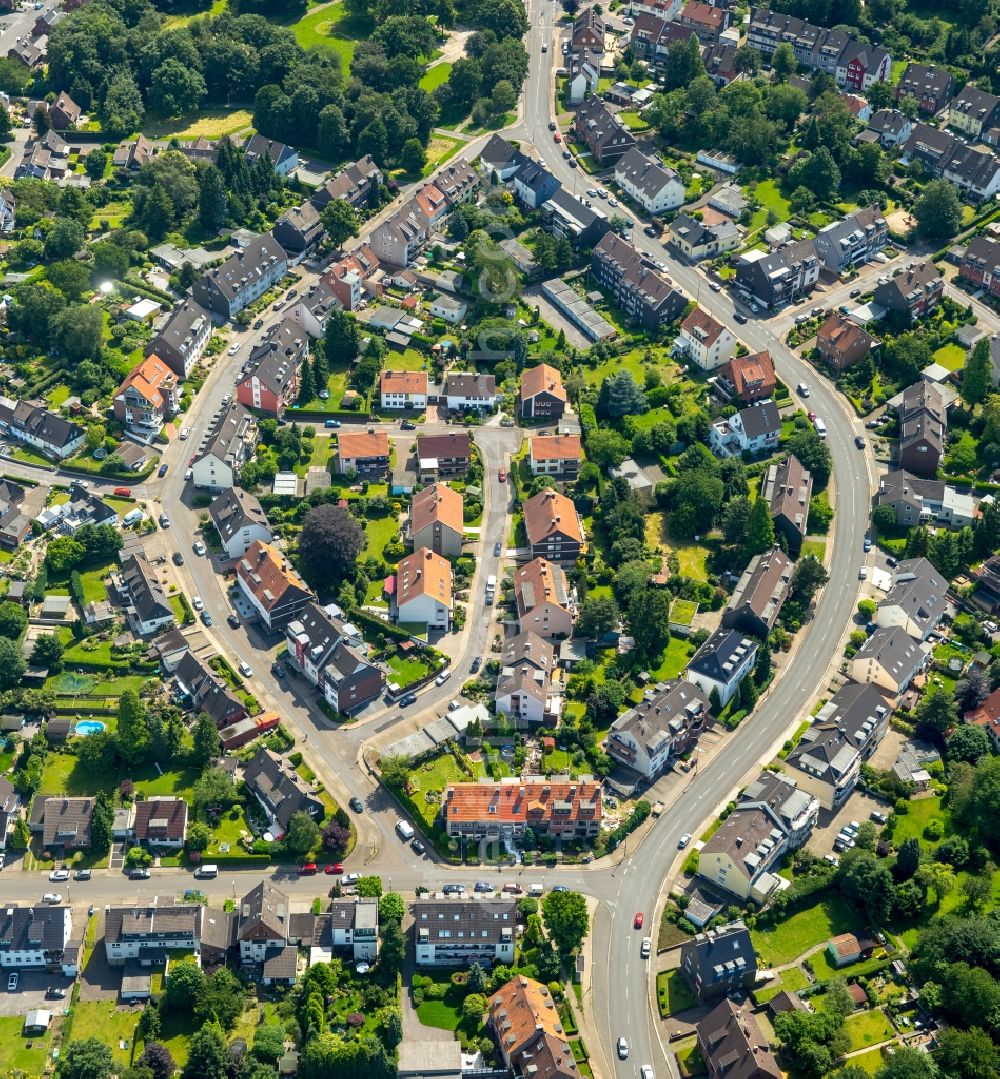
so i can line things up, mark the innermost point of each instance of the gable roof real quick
(276, 360)
(735, 1046)
(540, 581)
(454, 444)
(920, 591)
(410, 382)
(788, 487)
(719, 656)
(748, 373)
(268, 576)
(145, 591)
(550, 512)
(529, 1030)
(423, 573)
(894, 650)
(263, 913)
(647, 175)
(470, 385)
(360, 445)
(556, 448)
(662, 714)
(700, 326)
(160, 818)
(437, 504)
(280, 786)
(542, 379)
(235, 509)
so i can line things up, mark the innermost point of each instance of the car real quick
(497, 549)
(164, 521)
(483, 886)
(552, 125)
(185, 433)
(454, 889)
(245, 669)
(557, 137)
(740, 318)
(754, 307)
(868, 544)
(715, 286)
(646, 947)
(206, 618)
(811, 415)
(891, 562)
(59, 874)
(162, 471)
(545, 47)
(443, 677)
(139, 873)
(199, 548)
(82, 874)
(177, 558)
(55, 992)
(502, 474)
(684, 840)
(408, 425)
(622, 1049)
(198, 603)
(189, 474)
(227, 398)
(572, 163)
(512, 889)
(356, 804)
(233, 621)
(612, 202)
(308, 869)
(650, 231)
(233, 349)
(859, 442)
(863, 573)
(559, 888)
(12, 982)
(637, 922)
(646, 1071)
(276, 669)
(192, 459)
(332, 424)
(802, 389)
(567, 154)
(334, 870)
(407, 699)
(257, 325)
(878, 816)
(844, 309)
(123, 492)
(350, 878)
(601, 193)
(855, 293)
(476, 664)
(417, 846)
(453, 706)
(292, 292)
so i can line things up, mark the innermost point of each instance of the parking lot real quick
(30, 992)
(858, 808)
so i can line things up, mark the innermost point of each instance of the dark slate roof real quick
(721, 653)
(762, 419)
(24, 929)
(719, 954)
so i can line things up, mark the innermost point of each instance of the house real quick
(353, 278)
(665, 724)
(431, 203)
(229, 443)
(283, 158)
(263, 923)
(975, 172)
(932, 86)
(721, 663)
(171, 646)
(697, 240)
(987, 716)
(467, 391)
(449, 309)
(270, 585)
(181, 341)
(647, 296)
(8, 210)
(561, 808)
(923, 429)
(208, 691)
(423, 591)
(27, 53)
(146, 605)
(827, 759)
(917, 600)
(271, 377)
(600, 130)
(240, 521)
(972, 110)
(443, 455)
(64, 112)
(133, 155)
(889, 659)
(987, 585)
(787, 487)
(63, 823)
(458, 181)
(844, 949)
(584, 77)
(500, 157)
(349, 680)
(775, 278)
(542, 395)
(858, 107)
(916, 500)
(534, 185)
(704, 341)
(797, 810)
(299, 228)
(37, 427)
(528, 1031)
(742, 856)
(913, 293)
(637, 479)
(588, 30)
(403, 389)
(842, 342)
(354, 184)
(912, 764)
(981, 265)
(722, 64)
(161, 822)
(352, 925)
(719, 962)
(244, 277)
(36, 938)
(760, 594)
(279, 788)
(524, 691)
(854, 240)
(553, 527)
(460, 932)
(148, 398)
(569, 218)
(749, 378)
(555, 455)
(365, 453)
(891, 127)
(705, 20)
(398, 240)
(15, 526)
(732, 1045)
(544, 602)
(655, 188)
(754, 430)
(436, 520)
(146, 934)
(653, 33)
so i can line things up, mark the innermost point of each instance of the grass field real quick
(951, 356)
(406, 670)
(868, 1028)
(829, 915)
(675, 659)
(693, 557)
(15, 1056)
(911, 825)
(102, 1019)
(329, 28)
(815, 547)
(682, 611)
(438, 1013)
(378, 532)
(435, 76)
(435, 775)
(673, 993)
(439, 150)
(212, 123)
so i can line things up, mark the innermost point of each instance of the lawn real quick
(329, 28)
(675, 659)
(673, 994)
(951, 356)
(439, 150)
(435, 76)
(631, 361)
(212, 123)
(689, 1060)
(93, 584)
(873, 1059)
(406, 669)
(829, 915)
(114, 213)
(868, 1028)
(150, 784)
(770, 197)
(58, 395)
(102, 1019)
(15, 1056)
(815, 547)
(378, 532)
(682, 611)
(64, 774)
(441, 1014)
(432, 777)
(911, 825)
(408, 360)
(791, 980)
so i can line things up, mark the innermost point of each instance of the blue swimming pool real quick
(89, 726)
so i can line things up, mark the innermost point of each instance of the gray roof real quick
(263, 910)
(720, 955)
(644, 173)
(224, 439)
(279, 786)
(762, 419)
(235, 509)
(894, 650)
(920, 590)
(832, 238)
(186, 324)
(763, 587)
(663, 713)
(282, 964)
(47, 427)
(491, 920)
(26, 929)
(470, 385)
(499, 153)
(900, 484)
(787, 487)
(782, 794)
(750, 836)
(529, 648)
(276, 360)
(858, 709)
(721, 654)
(734, 1044)
(145, 591)
(250, 262)
(278, 152)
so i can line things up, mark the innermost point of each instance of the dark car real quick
(356, 804)
(407, 699)
(740, 317)
(408, 425)
(164, 521)
(82, 874)
(257, 325)
(277, 670)
(572, 162)
(178, 558)
(206, 618)
(855, 293)
(454, 889)
(650, 231)
(163, 471)
(233, 620)
(560, 888)
(55, 993)
(859, 442)
(497, 548)
(476, 664)
(417, 846)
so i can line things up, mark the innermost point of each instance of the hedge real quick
(235, 860)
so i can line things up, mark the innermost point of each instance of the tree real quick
(938, 211)
(394, 768)
(13, 620)
(132, 731)
(907, 1063)
(473, 1008)
(393, 949)
(566, 919)
(95, 164)
(606, 448)
(205, 741)
(783, 61)
(208, 1057)
(648, 618)
(102, 824)
(121, 111)
(342, 338)
(598, 615)
(176, 88)
(620, 395)
(40, 120)
(976, 375)
(214, 787)
(907, 859)
(391, 908)
(968, 743)
(336, 837)
(937, 710)
(341, 223)
(212, 198)
(837, 1000)
(760, 528)
(477, 978)
(307, 384)
(157, 1058)
(967, 1054)
(390, 1027)
(302, 835)
(78, 332)
(329, 544)
(64, 239)
(12, 664)
(220, 999)
(807, 577)
(86, 1059)
(867, 881)
(199, 836)
(184, 985)
(976, 890)
(148, 1029)
(269, 1043)
(939, 876)
(816, 171)
(48, 650)
(413, 156)
(369, 886)
(813, 454)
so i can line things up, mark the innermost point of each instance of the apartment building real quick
(270, 585)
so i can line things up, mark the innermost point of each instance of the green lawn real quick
(829, 915)
(951, 356)
(682, 611)
(407, 669)
(435, 76)
(868, 1028)
(438, 1013)
(430, 778)
(93, 584)
(771, 198)
(791, 980)
(102, 1019)
(378, 532)
(673, 994)
(911, 825)
(15, 1056)
(58, 395)
(815, 547)
(873, 1059)
(675, 659)
(408, 360)
(64, 774)
(329, 28)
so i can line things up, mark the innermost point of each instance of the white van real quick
(206, 871)
(405, 830)
(536, 889)
(443, 677)
(491, 590)
(820, 427)
(133, 517)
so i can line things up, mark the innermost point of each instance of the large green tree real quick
(938, 211)
(89, 1058)
(566, 919)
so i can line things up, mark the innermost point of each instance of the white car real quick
(233, 349)
(52, 898)
(350, 878)
(59, 874)
(863, 573)
(622, 1049)
(199, 548)
(189, 474)
(12, 982)
(684, 840)
(245, 669)
(646, 948)
(198, 603)
(612, 202)
(185, 433)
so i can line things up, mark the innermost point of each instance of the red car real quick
(334, 870)
(307, 870)
(557, 137)
(812, 416)
(502, 475)
(123, 492)
(639, 919)
(194, 457)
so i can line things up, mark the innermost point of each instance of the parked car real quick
(308, 869)
(52, 898)
(12, 982)
(408, 425)
(859, 442)
(277, 670)
(199, 548)
(417, 846)
(684, 840)
(185, 433)
(233, 620)
(454, 889)
(55, 992)
(476, 664)
(206, 618)
(350, 878)
(407, 699)
(164, 521)
(483, 886)
(356, 804)
(740, 317)
(245, 669)
(177, 558)
(163, 471)
(139, 873)
(198, 603)
(59, 874)
(334, 870)
(878, 817)
(82, 874)
(123, 492)
(863, 573)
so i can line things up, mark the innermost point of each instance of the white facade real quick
(393, 399)
(212, 472)
(728, 688)
(668, 197)
(461, 402)
(240, 542)
(707, 355)
(452, 311)
(424, 609)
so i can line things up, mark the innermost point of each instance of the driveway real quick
(555, 318)
(858, 807)
(30, 992)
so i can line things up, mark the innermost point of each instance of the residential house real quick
(987, 585)
(501, 157)
(244, 277)
(721, 663)
(449, 309)
(733, 1046)
(553, 527)
(181, 341)
(646, 295)
(524, 691)
(655, 188)
(555, 455)
(705, 20)
(161, 823)
(208, 691)
(652, 34)
(229, 443)
(797, 810)
(468, 391)
(15, 527)
(354, 278)
(889, 659)
(542, 395)
(973, 111)
(8, 210)
(436, 520)
(854, 240)
(987, 716)
(64, 112)
(923, 429)
(704, 341)
(299, 228)
(600, 130)
(171, 646)
(981, 265)
(891, 127)
(917, 600)
(544, 602)
(534, 185)
(932, 86)
(423, 591)
(240, 521)
(36, 938)
(975, 172)
(775, 278)
(279, 788)
(842, 342)
(912, 293)
(754, 430)
(365, 453)
(272, 373)
(283, 158)
(403, 389)
(588, 30)
(528, 1031)
(460, 932)
(27, 53)
(148, 398)
(760, 594)
(664, 725)
(719, 962)
(916, 500)
(584, 76)
(458, 181)
(146, 605)
(146, 934)
(742, 856)
(39, 428)
(787, 487)
(569, 218)
(354, 184)
(264, 931)
(749, 378)
(561, 808)
(270, 585)
(398, 240)
(353, 923)
(698, 240)
(443, 455)
(431, 203)
(722, 64)
(63, 823)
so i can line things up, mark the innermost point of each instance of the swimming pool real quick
(89, 726)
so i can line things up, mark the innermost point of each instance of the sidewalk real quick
(586, 1022)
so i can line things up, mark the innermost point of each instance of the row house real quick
(856, 239)
(651, 36)
(654, 187)
(443, 455)
(37, 427)
(600, 130)
(923, 429)
(569, 218)
(704, 341)
(749, 379)
(403, 389)
(182, 340)
(240, 521)
(432, 204)
(524, 690)
(229, 443)
(436, 520)
(545, 605)
(8, 210)
(929, 84)
(283, 158)
(760, 594)
(146, 605)
(787, 488)
(561, 808)
(662, 727)
(986, 580)
(460, 932)
(353, 928)
(555, 455)
(841, 342)
(975, 172)
(37, 938)
(553, 527)
(534, 185)
(422, 591)
(542, 395)
(271, 377)
(365, 453)
(148, 398)
(733, 1046)
(915, 500)
(271, 586)
(981, 264)
(776, 278)
(353, 184)
(208, 691)
(399, 240)
(755, 430)
(299, 228)
(697, 240)
(973, 111)
(244, 277)
(639, 288)
(146, 934)
(704, 20)
(458, 181)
